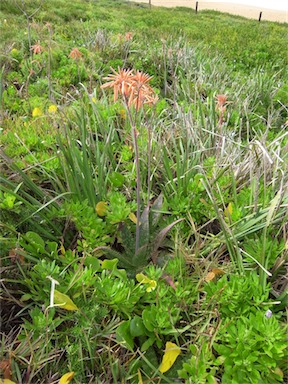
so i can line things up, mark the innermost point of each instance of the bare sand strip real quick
(248, 11)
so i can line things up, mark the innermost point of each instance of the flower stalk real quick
(135, 91)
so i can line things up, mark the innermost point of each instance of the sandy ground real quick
(248, 11)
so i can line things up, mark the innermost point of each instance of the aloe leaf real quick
(156, 210)
(159, 239)
(111, 254)
(144, 227)
(127, 240)
(141, 257)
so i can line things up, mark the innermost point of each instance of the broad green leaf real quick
(172, 351)
(109, 264)
(123, 335)
(117, 179)
(92, 262)
(52, 247)
(148, 319)
(65, 379)
(64, 301)
(137, 327)
(36, 241)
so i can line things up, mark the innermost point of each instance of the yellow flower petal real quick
(65, 379)
(172, 351)
(52, 108)
(151, 286)
(37, 112)
(142, 279)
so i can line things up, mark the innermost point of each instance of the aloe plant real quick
(150, 240)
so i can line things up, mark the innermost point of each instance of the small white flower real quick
(268, 314)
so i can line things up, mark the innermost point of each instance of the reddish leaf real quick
(5, 365)
(160, 237)
(16, 256)
(169, 280)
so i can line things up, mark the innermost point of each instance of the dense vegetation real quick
(143, 234)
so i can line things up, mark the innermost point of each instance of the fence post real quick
(260, 17)
(196, 9)
(150, 4)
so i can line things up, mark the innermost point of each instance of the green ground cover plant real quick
(143, 195)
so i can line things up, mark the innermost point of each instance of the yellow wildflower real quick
(52, 108)
(37, 112)
(122, 113)
(150, 284)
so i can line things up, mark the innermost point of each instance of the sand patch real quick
(248, 11)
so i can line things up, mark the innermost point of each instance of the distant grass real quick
(244, 43)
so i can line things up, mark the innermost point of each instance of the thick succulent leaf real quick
(159, 239)
(144, 228)
(141, 257)
(155, 211)
(128, 241)
(111, 254)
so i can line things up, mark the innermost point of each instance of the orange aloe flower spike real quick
(141, 89)
(120, 81)
(75, 54)
(36, 48)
